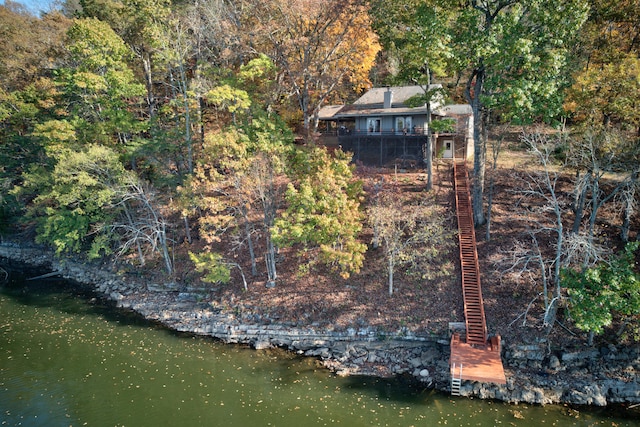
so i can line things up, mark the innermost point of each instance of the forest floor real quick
(321, 298)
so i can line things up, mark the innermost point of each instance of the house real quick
(380, 129)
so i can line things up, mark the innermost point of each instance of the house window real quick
(403, 125)
(373, 125)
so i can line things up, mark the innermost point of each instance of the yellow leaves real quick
(323, 213)
(58, 134)
(95, 45)
(319, 45)
(607, 90)
(229, 98)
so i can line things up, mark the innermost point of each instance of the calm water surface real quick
(66, 360)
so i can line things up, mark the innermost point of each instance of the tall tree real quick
(235, 181)
(99, 86)
(318, 45)
(235, 178)
(415, 35)
(29, 50)
(323, 214)
(138, 23)
(512, 53)
(543, 187)
(175, 52)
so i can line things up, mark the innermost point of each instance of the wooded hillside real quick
(179, 138)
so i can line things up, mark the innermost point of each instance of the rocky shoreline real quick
(535, 374)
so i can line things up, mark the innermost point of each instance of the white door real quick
(448, 149)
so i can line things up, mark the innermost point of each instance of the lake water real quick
(68, 360)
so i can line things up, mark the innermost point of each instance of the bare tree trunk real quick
(270, 259)
(187, 229)
(429, 156)
(494, 166)
(477, 81)
(629, 203)
(595, 203)
(165, 247)
(546, 188)
(148, 81)
(582, 186)
(489, 206)
(138, 246)
(248, 235)
(375, 224)
(187, 117)
(267, 194)
(390, 266)
(244, 279)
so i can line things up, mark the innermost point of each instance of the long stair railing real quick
(471, 291)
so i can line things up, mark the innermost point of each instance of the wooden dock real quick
(476, 358)
(473, 363)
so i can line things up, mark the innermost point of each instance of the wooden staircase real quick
(476, 333)
(481, 359)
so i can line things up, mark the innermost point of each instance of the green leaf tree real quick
(139, 23)
(99, 85)
(598, 294)
(90, 202)
(215, 268)
(21, 112)
(323, 213)
(73, 207)
(415, 36)
(513, 54)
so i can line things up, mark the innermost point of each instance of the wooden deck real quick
(473, 363)
(476, 358)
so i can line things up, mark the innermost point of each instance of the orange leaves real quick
(318, 46)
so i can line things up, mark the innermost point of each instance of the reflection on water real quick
(66, 359)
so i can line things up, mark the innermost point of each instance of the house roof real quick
(400, 95)
(454, 110)
(372, 103)
(329, 111)
(349, 111)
